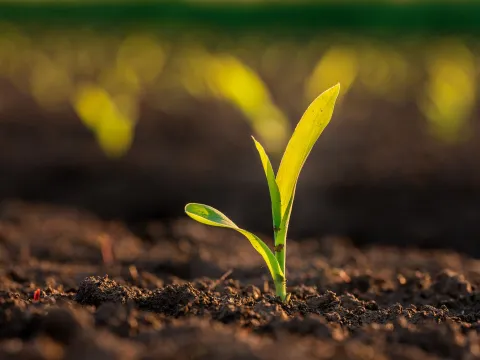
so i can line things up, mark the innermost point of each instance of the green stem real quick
(280, 236)
(281, 288)
(280, 248)
(280, 251)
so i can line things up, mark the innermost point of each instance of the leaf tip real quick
(336, 89)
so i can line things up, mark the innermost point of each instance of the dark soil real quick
(186, 291)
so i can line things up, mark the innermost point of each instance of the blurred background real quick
(131, 109)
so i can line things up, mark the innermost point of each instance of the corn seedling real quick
(281, 187)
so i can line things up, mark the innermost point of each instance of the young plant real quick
(281, 188)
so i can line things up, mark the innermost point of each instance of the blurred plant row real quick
(105, 77)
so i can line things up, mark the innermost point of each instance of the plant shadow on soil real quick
(192, 292)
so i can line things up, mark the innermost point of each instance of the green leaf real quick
(272, 185)
(210, 216)
(286, 217)
(314, 120)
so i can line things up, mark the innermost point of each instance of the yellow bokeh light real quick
(383, 71)
(50, 84)
(115, 135)
(113, 129)
(119, 79)
(338, 65)
(450, 90)
(228, 78)
(143, 55)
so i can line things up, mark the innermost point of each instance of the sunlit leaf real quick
(272, 184)
(210, 216)
(313, 122)
(286, 216)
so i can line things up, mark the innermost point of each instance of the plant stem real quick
(281, 247)
(280, 236)
(281, 288)
(280, 251)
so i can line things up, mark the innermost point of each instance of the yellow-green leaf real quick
(210, 216)
(313, 122)
(272, 184)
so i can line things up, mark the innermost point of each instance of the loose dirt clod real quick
(97, 290)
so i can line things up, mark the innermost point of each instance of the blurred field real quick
(134, 123)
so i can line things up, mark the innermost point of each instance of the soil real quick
(181, 290)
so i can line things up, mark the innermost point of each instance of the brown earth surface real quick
(181, 290)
